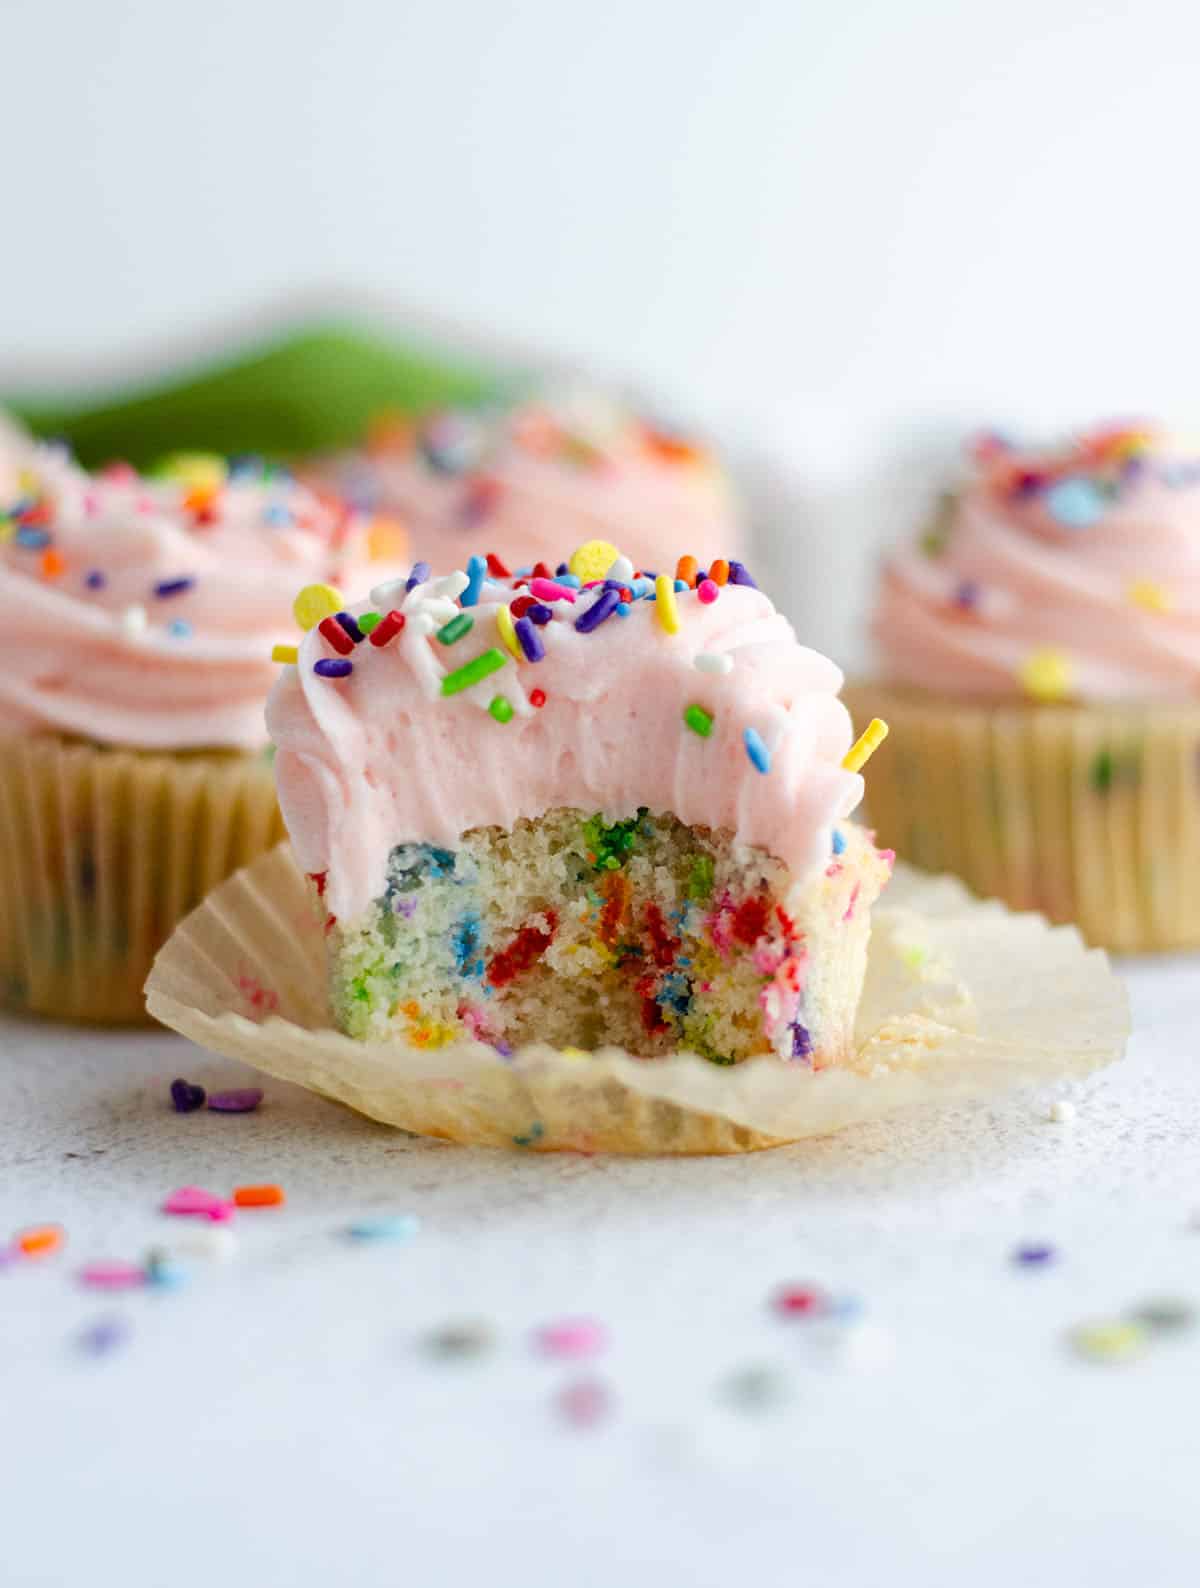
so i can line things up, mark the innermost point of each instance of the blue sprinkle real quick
(420, 572)
(680, 584)
(623, 609)
(32, 539)
(333, 667)
(522, 573)
(96, 580)
(180, 629)
(465, 942)
(172, 587)
(385, 1227)
(571, 580)
(476, 572)
(530, 640)
(351, 627)
(560, 570)
(760, 756)
(1076, 503)
(598, 612)
(103, 1336)
(539, 614)
(166, 1275)
(839, 843)
(277, 515)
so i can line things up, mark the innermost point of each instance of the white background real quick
(843, 232)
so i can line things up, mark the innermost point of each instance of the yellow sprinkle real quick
(1047, 675)
(865, 746)
(284, 653)
(1109, 1342)
(573, 1053)
(196, 471)
(593, 559)
(665, 603)
(1149, 596)
(386, 540)
(315, 602)
(504, 622)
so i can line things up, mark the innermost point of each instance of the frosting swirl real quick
(606, 719)
(141, 612)
(1070, 574)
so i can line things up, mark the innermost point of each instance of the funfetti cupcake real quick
(1039, 661)
(608, 808)
(547, 472)
(139, 618)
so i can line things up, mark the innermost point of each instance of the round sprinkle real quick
(335, 635)
(95, 579)
(179, 629)
(621, 571)
(134, 621)
(508, 635)
(387, 628)
(623, 609)
(287, 654)
(482, 667)
(600, 610)
(718, 571)
(1115, 1341)
(258, 1196)
(1047, 675)
(865, 746)
(593, 559)
(698, 720)
(537, 698)
(756, 749)
(500, 708)
(584, 1404)
(455, 629)
(42, 1240)
(665, 604)
(708, 591)
(316, 601)
(241, 1100)
(529, 640)
(186, 1098)
(572, 1337)
(711, 662)
(166, 588)
(385, 1227)
(1075, 503)
(368, 622)
(1034, 1256)
(332, 667)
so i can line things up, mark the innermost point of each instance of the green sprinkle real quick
(698, 720)
(455, 629)
(369, 621)
(700, 883)
(501, 709)
(490, 662)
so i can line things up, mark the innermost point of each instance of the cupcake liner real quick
(961, 998)
(1088, 814)
(103, 851)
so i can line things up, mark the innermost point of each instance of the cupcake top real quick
(1060, 575)
(480, 698)
(135, 608)
(528, 479)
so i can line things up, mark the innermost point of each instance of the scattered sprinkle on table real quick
(186, 1097)
(572, 1337)
(756, 1388)
(585, 1403)
(1034, 1256)
(385, 1227)
(241, 1100)
(799, 1301)
(1164, 1315)
(112, 1276)
(192, 1201)
(40, 1240)
(1111, 1341)
(103, 1336)
(258, 1196)
(458, 1340)
(1062, 1112)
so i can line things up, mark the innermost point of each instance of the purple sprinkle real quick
(539, 614)
(560, 570)
(186, 1097)
(738, 575)
(420, 572)
(332, 667)
(243, 1100)
(966, 595)
(1032, 1256)
(598, 611)
(801, 1042)
(504, 1049)
(172, 587)
(350, 626)
(103, 1336)
(95, 580)
(531, 640)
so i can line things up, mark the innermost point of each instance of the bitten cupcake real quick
(1039, 661)
(601, 809)
(139, 616)
(539, 475)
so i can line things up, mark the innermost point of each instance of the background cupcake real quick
(135, 658)
(1039, 662)
(527, 479)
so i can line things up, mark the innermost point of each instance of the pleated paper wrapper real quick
(102, 853)
(1088, 814)
(961, 999)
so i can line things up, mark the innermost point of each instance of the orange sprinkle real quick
(53, 564)
(686, 569)
(718, 571)
(258, 1196)
(41, 1240)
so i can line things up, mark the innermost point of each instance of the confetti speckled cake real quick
(585, 805)
(1039, 659)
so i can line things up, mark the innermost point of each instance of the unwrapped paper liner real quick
(961, 999)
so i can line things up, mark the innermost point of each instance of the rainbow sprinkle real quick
(756, 749)
(491, 661)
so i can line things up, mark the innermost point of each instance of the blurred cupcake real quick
(1039, 664)
(528, 479)
(139, 617)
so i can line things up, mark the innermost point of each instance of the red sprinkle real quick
(336, 635)
(540, 571)
(530, 943)
(750, 921)
(387, 628)
(521, 605)
(319, 878)
(537, 697)
(495, 567)
(663, 947)
(799, 1300)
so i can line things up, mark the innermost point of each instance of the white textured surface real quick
(278, 1422)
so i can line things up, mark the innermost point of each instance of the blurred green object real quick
(309, 391)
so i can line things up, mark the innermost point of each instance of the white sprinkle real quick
(216, 1242)
(711, 662)
(622, 569)
(389, 595)
(450, 585)
(134, 621)
(1062, 1112)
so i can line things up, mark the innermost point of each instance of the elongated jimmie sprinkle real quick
(332, 667)
(489, 662)
(865, 746)
(550, 590)
(387, 628)
(600, 609)
(476, 570)
(351, 627)
(756, 749)
(665, 604)
(530, 640)
(504, 623)
(330, 629)
(420, 573)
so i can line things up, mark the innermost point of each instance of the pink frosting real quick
(382, 757)
(540, 475)
(104, 638)
(1091, 552)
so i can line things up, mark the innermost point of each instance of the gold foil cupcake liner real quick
(1088, 814)
(961, 999)
(102, 852)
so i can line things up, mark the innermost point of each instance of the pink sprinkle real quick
(547, 590)
(192, 1201)
(584, 1403)
(573, 1337)
(849, 915)
(112, 1276)
(800, 1301)
(708, 591)
(242, 1100)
